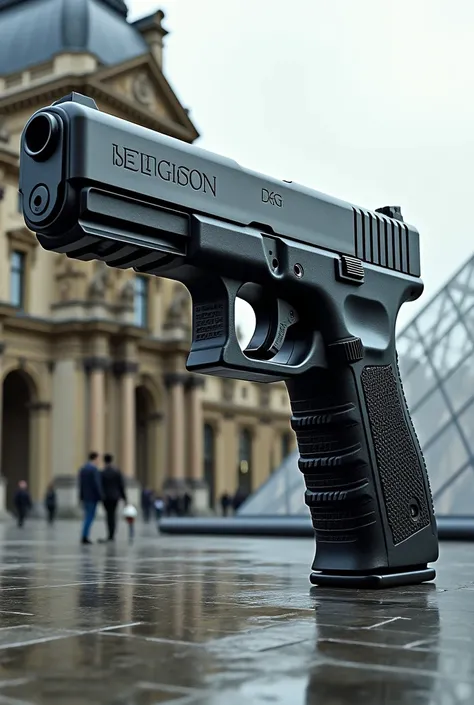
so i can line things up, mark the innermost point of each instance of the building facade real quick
(93, 358)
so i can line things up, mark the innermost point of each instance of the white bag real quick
(130, 512)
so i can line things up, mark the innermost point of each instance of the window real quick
(141, 302)
(17, 278)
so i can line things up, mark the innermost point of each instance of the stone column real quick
(227, 450)
(157, 448)
(261, 452)
(194, 386)
(127, 371)
(96, 367)
(195, 474)
(69, 424)
(41, 450)
(174, 382)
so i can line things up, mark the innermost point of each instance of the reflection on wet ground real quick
(209, 620)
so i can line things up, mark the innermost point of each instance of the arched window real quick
(245, 462)
(209, 460)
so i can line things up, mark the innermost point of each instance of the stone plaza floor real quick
(210, 620)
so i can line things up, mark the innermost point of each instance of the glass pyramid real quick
(436, 358)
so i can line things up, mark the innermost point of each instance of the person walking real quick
(147, 503)
(239, 498)
(113, 489)
(226, 502)
(159, 507)
(22, 502)
(187, 503)
(50, 503)
(90, 493)
(172, 504)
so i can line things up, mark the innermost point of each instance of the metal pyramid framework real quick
(436, 358)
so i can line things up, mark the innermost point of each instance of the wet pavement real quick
(208, 620)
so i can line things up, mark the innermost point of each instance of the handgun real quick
(325, 279)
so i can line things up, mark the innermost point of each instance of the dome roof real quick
(33, 31)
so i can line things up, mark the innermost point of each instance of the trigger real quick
(283, 316)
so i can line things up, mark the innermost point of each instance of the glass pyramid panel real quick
(436, 360)
(456, 498)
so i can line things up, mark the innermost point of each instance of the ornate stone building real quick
(94, 358)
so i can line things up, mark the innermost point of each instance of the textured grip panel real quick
(399, 465)
(338, 493)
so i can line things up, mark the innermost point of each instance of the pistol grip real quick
(366, 483)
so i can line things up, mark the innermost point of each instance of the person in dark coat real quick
(113, 489)
(172, 504)
(226, 502)
(147, 503)
(50, 503)
(187, 503)
(239, 498)
(22, 501)
(90, 493)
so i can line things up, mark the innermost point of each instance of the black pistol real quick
(326, 281)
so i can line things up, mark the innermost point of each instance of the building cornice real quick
(152, 21)
(6, 310)
(195, 382)
(125, 367)
(239, 410)
(15, 320)
(172, 379)
(167, 347)
(8, 158)
(24, 236)
(93, 364)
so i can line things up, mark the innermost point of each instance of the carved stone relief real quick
(127, 294)
(264, 396)
(228, 389)
(178, 311)
(67, 276)
(65, 290)
(4, 134)
(143, 91)
(98, 284)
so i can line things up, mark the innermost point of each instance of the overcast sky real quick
(369, 101)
